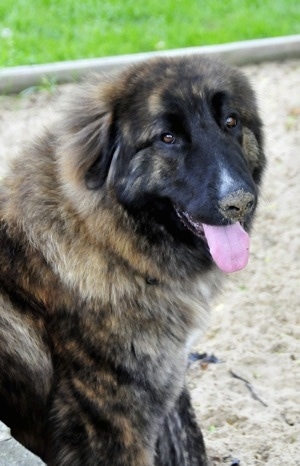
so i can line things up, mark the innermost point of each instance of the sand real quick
(255, 323)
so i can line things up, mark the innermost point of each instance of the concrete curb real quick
(13, 453)
(239, 53)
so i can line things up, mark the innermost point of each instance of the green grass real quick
(42, 31)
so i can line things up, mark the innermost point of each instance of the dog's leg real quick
(25, 372)
(181, 442)
(87, 429)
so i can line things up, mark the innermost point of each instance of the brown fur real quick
(97, 306)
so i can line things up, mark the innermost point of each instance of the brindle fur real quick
(102, 286)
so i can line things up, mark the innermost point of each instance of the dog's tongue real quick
(228, 245)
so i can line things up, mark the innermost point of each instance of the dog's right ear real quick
(104, 148)
(87, 138)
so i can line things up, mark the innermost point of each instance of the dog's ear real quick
(104, 148)
(87, 138)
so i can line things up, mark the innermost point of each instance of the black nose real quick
(237, 205)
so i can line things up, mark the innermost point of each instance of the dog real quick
(118, 225)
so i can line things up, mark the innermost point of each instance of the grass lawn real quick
(42, 31)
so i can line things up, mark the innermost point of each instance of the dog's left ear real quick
(87, 139)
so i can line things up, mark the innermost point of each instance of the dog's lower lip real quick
(190, 223)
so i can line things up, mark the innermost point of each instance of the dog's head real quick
(179, 143)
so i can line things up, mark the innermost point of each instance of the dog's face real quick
(181, 148)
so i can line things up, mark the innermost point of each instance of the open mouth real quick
(228, 244)
(190, 223)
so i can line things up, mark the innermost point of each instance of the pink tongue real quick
(228, 245)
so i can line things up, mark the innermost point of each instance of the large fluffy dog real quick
(116, 227)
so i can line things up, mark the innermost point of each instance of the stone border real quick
(13, 453)
(18, 78)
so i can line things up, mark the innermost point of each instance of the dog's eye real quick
(231, 122)
(168, 138)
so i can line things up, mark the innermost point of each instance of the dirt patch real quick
(255, 324)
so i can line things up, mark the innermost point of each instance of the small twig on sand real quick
(249, 386)
(204, 357)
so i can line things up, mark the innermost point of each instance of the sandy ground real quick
(255, 323)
